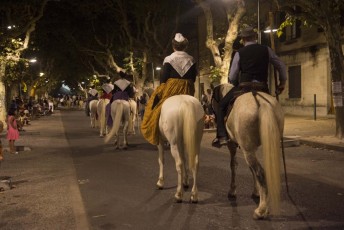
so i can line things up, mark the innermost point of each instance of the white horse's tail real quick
(102, 113)
(116, 121)
(192, 133)
(270, 139)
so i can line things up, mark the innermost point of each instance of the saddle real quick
(246, 87)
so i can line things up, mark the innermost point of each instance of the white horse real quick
(133, 115)
(81, 104)
(120, 113)
(256, 119)
(181, 124)
(101, 105)
(93, 113)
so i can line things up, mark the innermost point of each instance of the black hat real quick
(247, 32)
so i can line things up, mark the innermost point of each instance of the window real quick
(294, 77)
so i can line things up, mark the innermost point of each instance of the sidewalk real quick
(319, 133)
(46, 195)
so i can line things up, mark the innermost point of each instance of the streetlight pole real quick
(153, 75)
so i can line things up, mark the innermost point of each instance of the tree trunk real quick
(222, 62)
(3, 108)
(337, 74)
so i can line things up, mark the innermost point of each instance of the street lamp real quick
(268, 30)
(159, 69)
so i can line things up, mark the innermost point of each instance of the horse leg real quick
(262, 211)
(116, 145)
(161, 160)
(232, 147)
(194, 190)
(180, 171)
(92, 121)
(125, 134)
(101, 125)
(255, 192)
(185, 169)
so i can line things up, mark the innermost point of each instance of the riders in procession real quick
(178, 77)
(107, 90)
(92, 95)
(122, 90)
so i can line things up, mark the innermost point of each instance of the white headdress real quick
(179, 37)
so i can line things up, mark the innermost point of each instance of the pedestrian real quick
(209, 95)
(12, 130)
(178, 77)
(251, 62)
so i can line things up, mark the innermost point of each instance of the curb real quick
(322, 145)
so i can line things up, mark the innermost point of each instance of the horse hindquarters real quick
(181, 123)
(93, 112)
(101, 115)
(119, 112)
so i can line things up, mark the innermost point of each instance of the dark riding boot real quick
(218, 142)
(221, 132)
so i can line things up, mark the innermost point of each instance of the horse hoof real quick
(193, 199)
(159, 188)
(178, 200)
(178, 197)
(259, 216)
(231, 196)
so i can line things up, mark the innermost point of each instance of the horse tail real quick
(270, 139)
(102, 114)
(116, 120)
(192, 132)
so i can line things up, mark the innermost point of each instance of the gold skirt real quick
(150, 122)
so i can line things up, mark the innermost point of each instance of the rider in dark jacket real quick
(252, 62)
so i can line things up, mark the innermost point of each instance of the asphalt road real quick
(72, 180)
(118, 187)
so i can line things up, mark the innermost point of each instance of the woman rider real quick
(178, 77)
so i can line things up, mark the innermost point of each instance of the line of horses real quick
(256, 120)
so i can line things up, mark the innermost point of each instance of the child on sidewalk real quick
(12, 130)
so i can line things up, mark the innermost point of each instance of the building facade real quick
(304, 51)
